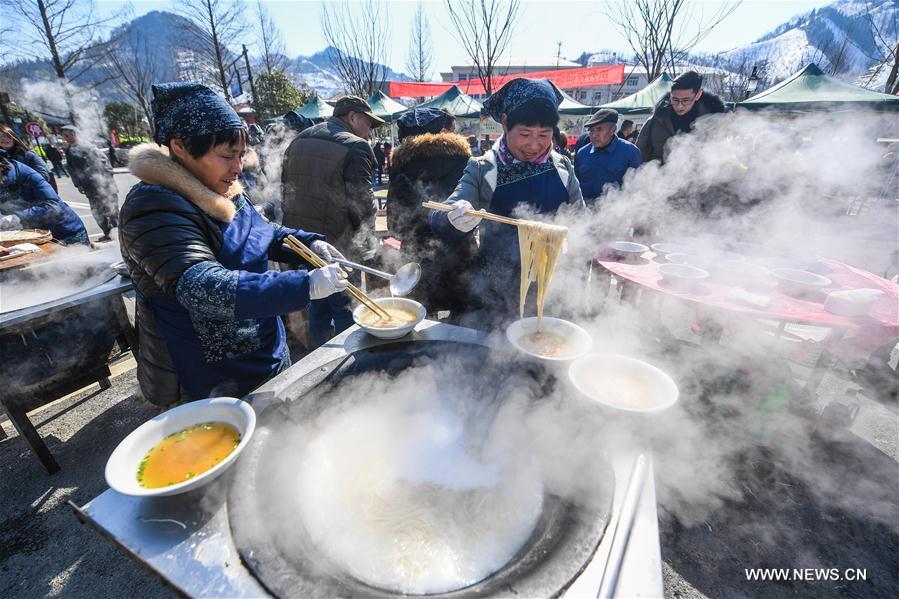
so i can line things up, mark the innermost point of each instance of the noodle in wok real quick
(539, 244)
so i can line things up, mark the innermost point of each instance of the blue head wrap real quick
(183, 110)
(519, 92)
(420, 117)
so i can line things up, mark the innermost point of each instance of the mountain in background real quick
(172, 61)
(845, 38)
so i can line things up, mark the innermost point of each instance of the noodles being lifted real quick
(540, 245)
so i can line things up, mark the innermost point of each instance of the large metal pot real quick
(560, 547)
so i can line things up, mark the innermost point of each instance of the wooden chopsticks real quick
(482, 213)
(312, 258)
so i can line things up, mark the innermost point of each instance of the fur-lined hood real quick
(151, 164)
(430, 145)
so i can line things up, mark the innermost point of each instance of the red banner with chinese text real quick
(563, 78)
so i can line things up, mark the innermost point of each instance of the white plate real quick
(391, 332)
(578, 341)
(595, 376)
(121, 468)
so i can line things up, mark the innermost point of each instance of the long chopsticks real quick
(482, 213)
(312, 258)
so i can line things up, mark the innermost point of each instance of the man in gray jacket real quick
(326, 184)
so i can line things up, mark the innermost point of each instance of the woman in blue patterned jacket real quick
(208, 308)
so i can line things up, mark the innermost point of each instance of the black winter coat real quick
(427, 168)
(660, 127)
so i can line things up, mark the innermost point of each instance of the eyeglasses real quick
(5, 136)
(683, 101)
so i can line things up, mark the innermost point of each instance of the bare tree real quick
(484, 28)
(66, 29)
(663, 32)
(888, 44)
(214, 25)
(419, 58)
(133, 63)
(359, 34)
(274, 53)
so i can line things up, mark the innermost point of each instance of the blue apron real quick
(226, 357)
(496, 281)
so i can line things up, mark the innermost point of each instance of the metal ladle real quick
(401, 284)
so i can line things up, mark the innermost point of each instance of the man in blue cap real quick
(607, 157)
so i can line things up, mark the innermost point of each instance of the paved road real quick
(71, 196)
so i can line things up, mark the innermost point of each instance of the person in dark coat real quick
(208, 308)
(521, 172)
(675, 113)
(378, 151)
(16, 150)
(606, 159)
(326, 182)
(626, 130)
(426, 167)
(55, 158)
(92, 174)
(28, 202)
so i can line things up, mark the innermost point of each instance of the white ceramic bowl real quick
(799, 282)
(628, 249)
(663, 249)
(578, 341)
(121, 468)
(623, 383)
(391, 332)
(682, 276)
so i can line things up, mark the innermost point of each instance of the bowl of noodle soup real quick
(548, 339)
(405, 315)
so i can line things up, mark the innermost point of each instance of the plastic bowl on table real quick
(682, 276)
(623, 383)
(628, 250)
(852, 302)
(691, 259)
(800, 283)
(663, 249)
(123, 464)
(578, 342)
(391, 332)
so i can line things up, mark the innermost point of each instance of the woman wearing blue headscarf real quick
(208, 307)
(521, 173)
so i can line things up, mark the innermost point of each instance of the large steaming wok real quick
(562, 544)
(71, 271)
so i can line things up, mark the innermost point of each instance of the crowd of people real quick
(213, 279)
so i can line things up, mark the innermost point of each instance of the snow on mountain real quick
(844, 38)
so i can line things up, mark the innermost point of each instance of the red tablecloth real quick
(879, 327)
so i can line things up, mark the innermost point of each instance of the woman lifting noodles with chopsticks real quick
(521, 171)
(208, 307)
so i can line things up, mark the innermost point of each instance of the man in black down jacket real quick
(675, 113)
(326, 182)
(426, 167)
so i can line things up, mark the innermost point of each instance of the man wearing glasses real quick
(675, 113)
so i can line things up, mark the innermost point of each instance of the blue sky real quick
(579, 25)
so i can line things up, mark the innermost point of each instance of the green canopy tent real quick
(810, 89)
(570, 106)
(384, 107)
(644, 100)
(316, 109)
(455, 101)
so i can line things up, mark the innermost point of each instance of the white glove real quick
(461, 221)
(326, 250)
(326, 280)
(10, 222)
